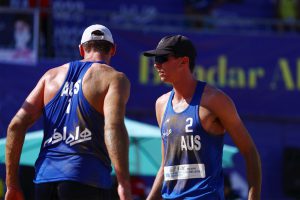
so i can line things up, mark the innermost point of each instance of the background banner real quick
(260, 73)
(21, 45)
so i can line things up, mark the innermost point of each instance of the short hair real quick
(102, 46)
(192, 64)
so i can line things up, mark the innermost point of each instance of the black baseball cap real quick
(178, 45)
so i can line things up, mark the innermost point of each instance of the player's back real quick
(95, 82)
(73, 146)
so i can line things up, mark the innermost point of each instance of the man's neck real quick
(185, 88)
(95, 56)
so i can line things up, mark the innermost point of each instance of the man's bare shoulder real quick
(106, 73)
(163, 99)
(211, 92)
(160, 106)
(214, 97)
(56, 72)
(102, 68)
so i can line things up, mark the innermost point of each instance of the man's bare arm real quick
(155, 192)
(116, 136)
(25, 117)
(225, 109)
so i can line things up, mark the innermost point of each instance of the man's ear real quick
(185, 60)
(113, 50)
(81, 50)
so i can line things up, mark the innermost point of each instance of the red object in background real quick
(42, 4)
(138, 187)
(38, 3)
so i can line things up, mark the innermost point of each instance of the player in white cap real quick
(83, 103)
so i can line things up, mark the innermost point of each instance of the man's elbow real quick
(16, 125)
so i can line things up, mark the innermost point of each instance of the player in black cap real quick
(193, 118)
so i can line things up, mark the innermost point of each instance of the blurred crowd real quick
(277, 15)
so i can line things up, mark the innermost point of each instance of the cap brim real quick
(156, 52)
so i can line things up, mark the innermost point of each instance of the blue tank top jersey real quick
(192, 157)
(73, 146)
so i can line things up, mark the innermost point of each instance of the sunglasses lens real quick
(160, 59)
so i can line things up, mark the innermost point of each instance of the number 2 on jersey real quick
(190, 123)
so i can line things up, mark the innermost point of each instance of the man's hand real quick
(14, 194)
(124, 192)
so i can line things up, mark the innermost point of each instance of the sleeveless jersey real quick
(73, 146)
(192, 157)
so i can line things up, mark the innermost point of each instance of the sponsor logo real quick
(69, 138)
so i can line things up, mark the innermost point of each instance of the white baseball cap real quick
(88, 36)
